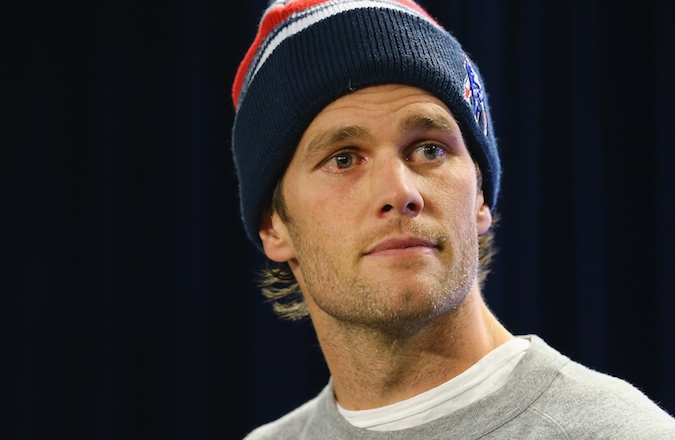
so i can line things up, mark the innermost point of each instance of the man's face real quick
(384, 210)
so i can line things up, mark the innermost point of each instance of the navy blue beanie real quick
(308, 53)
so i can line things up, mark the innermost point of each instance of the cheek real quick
(451, 194)
(319, 223)
(319, 204)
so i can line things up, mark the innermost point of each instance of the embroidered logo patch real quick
(473, 95)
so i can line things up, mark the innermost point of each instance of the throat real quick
(375, 369)
(372, 368)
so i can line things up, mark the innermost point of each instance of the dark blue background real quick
(125, 273)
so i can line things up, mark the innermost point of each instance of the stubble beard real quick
(356, 301)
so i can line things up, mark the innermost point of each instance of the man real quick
(369, 169)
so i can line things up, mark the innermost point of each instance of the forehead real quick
(364, 111)
(389, 97)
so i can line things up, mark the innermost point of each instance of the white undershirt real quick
(481, 379)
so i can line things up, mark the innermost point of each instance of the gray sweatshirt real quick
(547, 397)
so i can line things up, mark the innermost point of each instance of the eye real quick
(343, 160)
(427, 152)
(432, 151)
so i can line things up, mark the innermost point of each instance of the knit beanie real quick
(308, 53)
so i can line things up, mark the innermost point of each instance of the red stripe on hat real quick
(275, 16)
(272, 19)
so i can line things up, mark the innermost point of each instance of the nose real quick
(397, 191)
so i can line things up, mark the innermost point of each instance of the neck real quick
(371, 369)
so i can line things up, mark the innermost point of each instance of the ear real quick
(483, 214)
(275, 239)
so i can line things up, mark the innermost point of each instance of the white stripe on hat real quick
(315, 14)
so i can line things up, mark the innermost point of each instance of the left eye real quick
(427, 152)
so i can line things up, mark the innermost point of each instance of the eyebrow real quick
(348, 133)
(414, 122)
(418, 121)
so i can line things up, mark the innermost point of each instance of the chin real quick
(402, 311)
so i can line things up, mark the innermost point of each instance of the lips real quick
(394, 244)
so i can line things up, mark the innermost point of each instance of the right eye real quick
(342, 161)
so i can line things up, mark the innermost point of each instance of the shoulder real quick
(580, 401)
(292, 424)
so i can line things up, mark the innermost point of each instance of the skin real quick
(384, 212)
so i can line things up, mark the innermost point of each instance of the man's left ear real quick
(483, 215)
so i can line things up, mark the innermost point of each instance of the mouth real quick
(402, 246)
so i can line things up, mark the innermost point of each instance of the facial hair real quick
(354, 299)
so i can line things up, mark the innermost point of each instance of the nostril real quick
(411, 207)
(387, 208)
